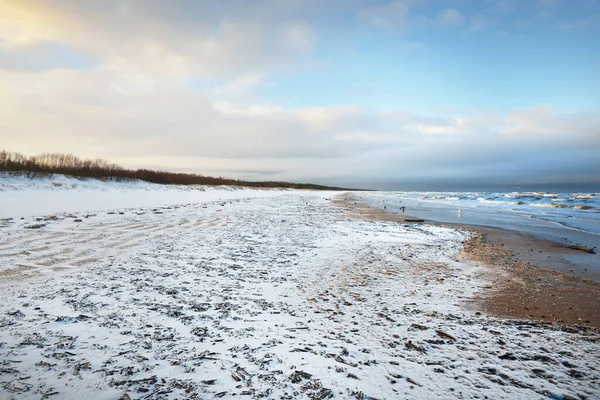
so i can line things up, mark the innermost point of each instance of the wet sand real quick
(531, 250)
(361, 210)
(522, 285)
(528, 277)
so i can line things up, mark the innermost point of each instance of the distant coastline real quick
(68, 164)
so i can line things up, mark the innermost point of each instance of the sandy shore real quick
(361, 211)
(521, 283)
(266, 295)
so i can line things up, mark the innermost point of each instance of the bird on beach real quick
(459, 213)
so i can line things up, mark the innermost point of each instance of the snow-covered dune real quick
(21, 196)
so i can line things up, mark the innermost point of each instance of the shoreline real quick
(530, 291)
(528, 278)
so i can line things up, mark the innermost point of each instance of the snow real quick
(255, 294)
(23, 197)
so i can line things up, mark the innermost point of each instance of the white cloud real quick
(544, 124)
(450, 127)
(238, 86)
(121, 90)
(75, 111)
(179, 39)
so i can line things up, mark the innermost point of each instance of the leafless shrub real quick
(69, 164)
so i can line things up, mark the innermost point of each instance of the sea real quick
(568, 218)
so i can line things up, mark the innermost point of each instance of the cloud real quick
(549, 127)
(238, 86)
(43, 55)
(177, 85)
(391, 15)
(180, 39)
(108, 114)
(451, 16)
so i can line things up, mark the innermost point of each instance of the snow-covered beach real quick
(140, 291)
(565, 218)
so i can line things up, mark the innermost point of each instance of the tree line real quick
(69, 164)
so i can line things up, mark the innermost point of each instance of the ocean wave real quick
(584, 207)
(484, 200)
(580, 202)
(567, 225)
(587, 196)
(579, 207)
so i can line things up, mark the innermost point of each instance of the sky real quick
(398, 95)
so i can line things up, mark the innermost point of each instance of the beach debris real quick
(48, 393)
(297, 376)
(508, 356)
(352, 376)
(582, 248)
(240, 374)
(152, 379)
(200, 331)
(322, 394)
(385, 316)
(411, 346)
(298, 328)
(412, 381)
(206, 355)
(16, 313)
(445, 335)
(34, 226)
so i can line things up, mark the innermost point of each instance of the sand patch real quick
(520, 283)
(518, 290)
